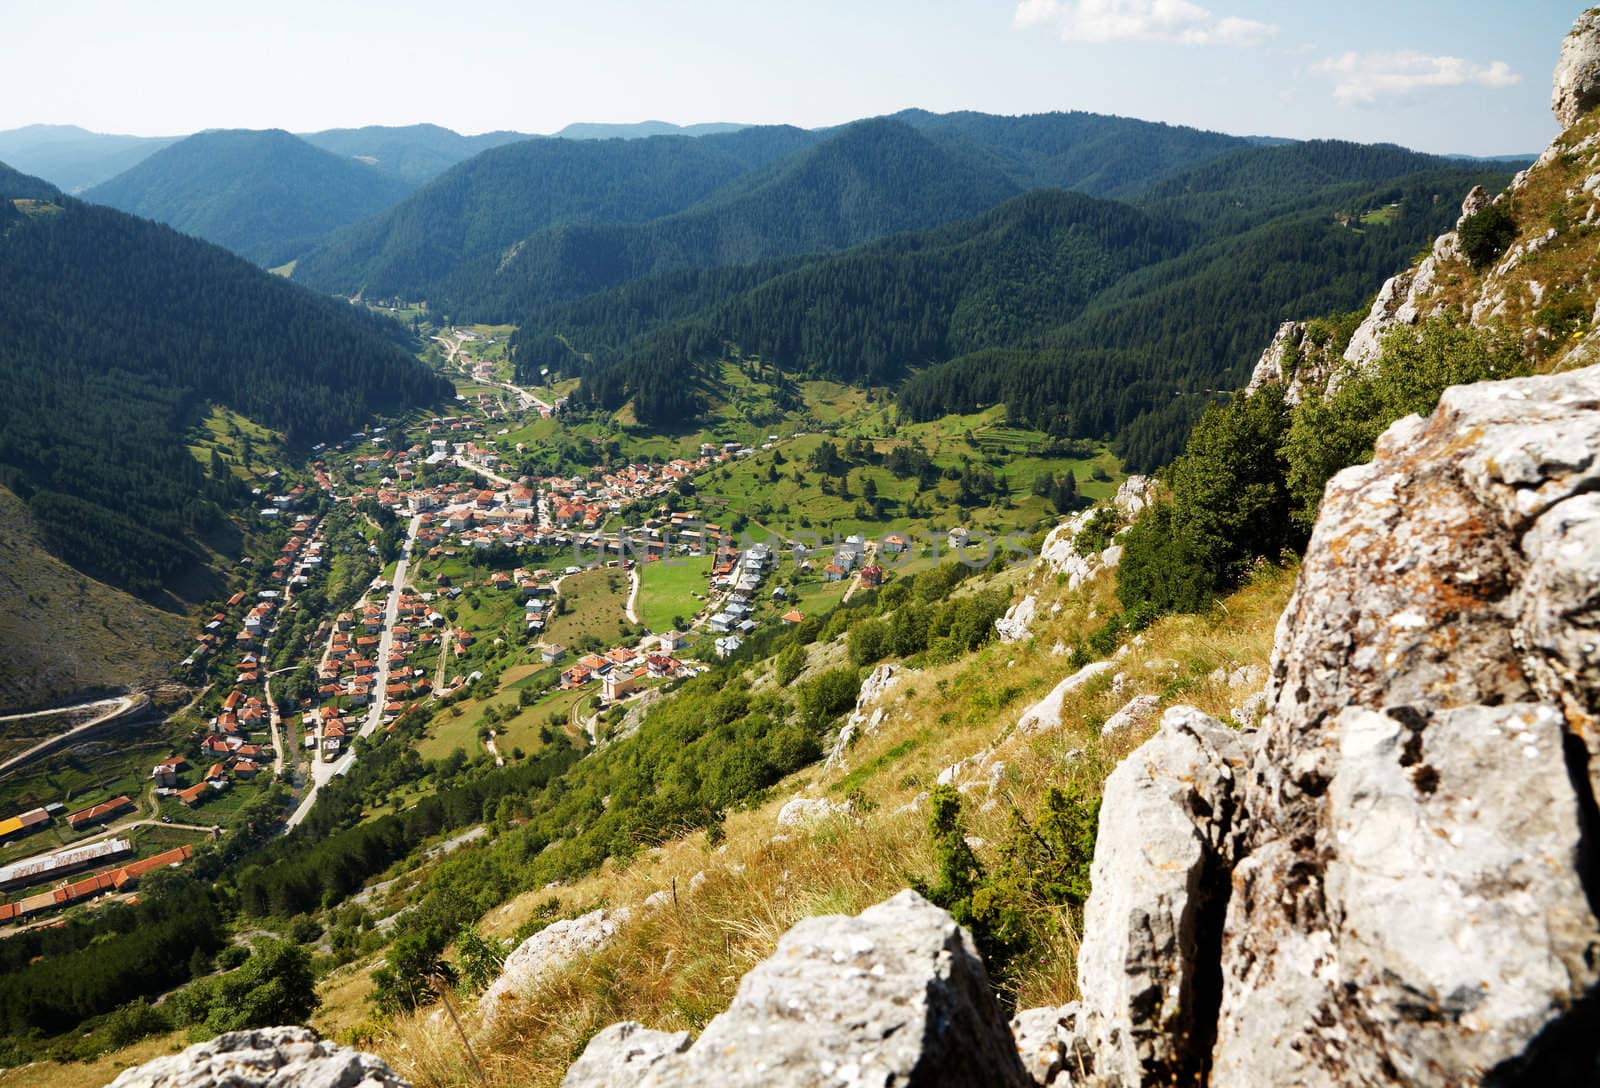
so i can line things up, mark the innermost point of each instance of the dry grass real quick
(676, 967)
(93, 1074)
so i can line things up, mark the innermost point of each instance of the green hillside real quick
(116, 336)
(267, 196)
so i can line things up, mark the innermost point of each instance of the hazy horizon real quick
(1466, 78)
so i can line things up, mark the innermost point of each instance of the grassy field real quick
(250, 450)
(778, 491)
(671, 589)
(594, 602)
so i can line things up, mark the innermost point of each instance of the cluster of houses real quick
(225, 748)
(300, 556)
(623, 670)
(348, 676)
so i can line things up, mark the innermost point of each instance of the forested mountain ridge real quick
(479, 209)
(1130, 351)
(865, 181)
(414, 153)
(1250, 185)
(1094, 153)
(15, 185)
(268, 196)
(117, 335)
(864, 316)
(447, 242)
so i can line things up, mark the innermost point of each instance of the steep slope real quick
(863, 316)
(116, 335)
(416, 154)
(66, 635)
(871, 179)
(74, 158)
(479, 210)
(268, 196)
(15, 185)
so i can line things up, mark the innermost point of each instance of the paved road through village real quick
(323, 772)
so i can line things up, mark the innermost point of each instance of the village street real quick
(323, 772)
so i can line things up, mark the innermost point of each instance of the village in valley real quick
(429, 565)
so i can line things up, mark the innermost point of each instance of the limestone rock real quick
(552, 948)
(1134, 494)
(286, 1057)
(1051, 1045)
(1576, 86)
(806, 811)
(621, 1054)
(1013, 626)
(873, 689)
(1046, 713)
(1168, 832)
(1061, 558)
(1431, 740)
(1136, 711)
(1291, 361)
(895, 996)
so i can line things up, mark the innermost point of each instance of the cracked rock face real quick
(1576, 86)
(1416, 905)
(1167, 837)
(894, 996)
(286, 1057)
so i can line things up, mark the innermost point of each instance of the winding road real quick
(115, 708)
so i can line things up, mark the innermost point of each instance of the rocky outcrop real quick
(1013, 626)
(551, 949)
(1430, 741)
(806, 811)
(1577, 80)
(895, 996)
(1046, 713)
(1135, 712)
(1294, 361)
(1059, 553)
(622, 1054)
(286, 1057)
(1168, 836)
(866, 717)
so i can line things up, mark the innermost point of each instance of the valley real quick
(497, 600)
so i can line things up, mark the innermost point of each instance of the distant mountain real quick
(268, 196)
(597, 130)
(1092, 153)
(15, 185)
(414, 153)
(1251, 185)
(117, 335)
(865, 181)
(478, 211)
(73, 158)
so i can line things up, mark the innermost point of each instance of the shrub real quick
(1486, 233)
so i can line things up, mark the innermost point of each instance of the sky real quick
(1469, 77)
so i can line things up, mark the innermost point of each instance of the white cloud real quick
(1141, 20)
(1364, 78)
